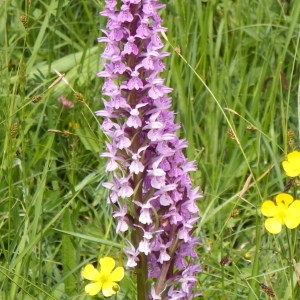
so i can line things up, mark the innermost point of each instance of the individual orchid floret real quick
(132, 255)
(144, 244)
(122, 219)
(125, 189)
(134, 120)
(136, 165)
(145, 216)
(286, 211)
(114, 161)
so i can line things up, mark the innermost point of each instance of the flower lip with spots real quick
(286, 211)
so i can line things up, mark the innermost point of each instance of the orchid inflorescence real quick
(151, 191)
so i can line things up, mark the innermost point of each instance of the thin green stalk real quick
(18, 267)
(69, 251)
(142, 278)
(289, 260)
(256, 265)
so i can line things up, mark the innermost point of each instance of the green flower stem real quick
(253, 284)
(69, 254)
(290, 261)
(160, 284)
(142, 276)
(141, 268)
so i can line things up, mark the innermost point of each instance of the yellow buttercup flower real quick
(105, 279)
(73, 125)
(291, 165)
(285, 212)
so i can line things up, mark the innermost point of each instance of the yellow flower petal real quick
(273, 226)
(107, 264)
(294, 210)
(284, 199)
(117, 274)
(292, 219)
(291, 223)
(291, 166)
(90, 273)
(269, 209)
(93, 288)
(108, 288)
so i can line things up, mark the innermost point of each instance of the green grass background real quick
(234, 68)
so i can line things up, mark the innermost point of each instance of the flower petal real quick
(269, 209)
(117, 274)
(284, 199)
(291, 223)
(90, 273)
(291, 166)
(293, 210)
(107, 264)
(273, 226)
(109, 288)
(93, 288)
(292, 218)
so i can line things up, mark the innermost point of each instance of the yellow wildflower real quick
(105, 279)
(285, 212)
(73, 125)
(291, 165)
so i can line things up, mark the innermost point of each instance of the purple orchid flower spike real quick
(151, 192)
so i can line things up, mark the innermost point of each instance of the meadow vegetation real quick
(235, 69)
